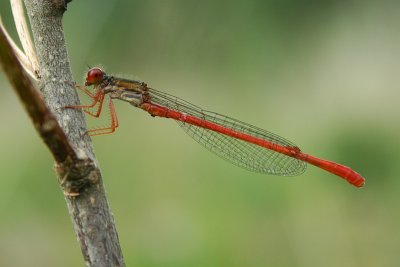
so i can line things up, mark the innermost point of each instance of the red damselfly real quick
(242, 144)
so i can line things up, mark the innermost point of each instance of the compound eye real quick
(94, 76)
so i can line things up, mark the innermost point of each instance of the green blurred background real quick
(324, 74)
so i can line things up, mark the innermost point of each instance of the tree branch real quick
(23, 33)
(63, 131)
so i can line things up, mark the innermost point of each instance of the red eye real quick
(94, 76)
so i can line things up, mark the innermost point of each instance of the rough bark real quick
(63, 130)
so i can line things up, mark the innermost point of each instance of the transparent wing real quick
(246, 155)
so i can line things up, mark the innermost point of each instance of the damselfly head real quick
(94, 76)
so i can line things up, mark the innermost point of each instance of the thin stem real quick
(63, 132)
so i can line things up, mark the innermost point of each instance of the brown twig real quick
(63, 132)
(43, 120)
